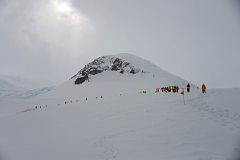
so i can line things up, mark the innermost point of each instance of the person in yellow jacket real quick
(204, 88)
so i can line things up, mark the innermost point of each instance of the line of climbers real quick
(204, 88)
(175, 89)
(66, 102)
(36, 107)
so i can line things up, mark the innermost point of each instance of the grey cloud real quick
(193, 39)
(197, 40)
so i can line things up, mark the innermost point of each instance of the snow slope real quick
(122, 125)
(18, 87)
(131, 126)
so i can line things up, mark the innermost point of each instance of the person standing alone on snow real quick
(204, 88)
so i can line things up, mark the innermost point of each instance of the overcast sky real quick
(198, 40)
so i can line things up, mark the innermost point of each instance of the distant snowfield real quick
(19, 87)
(122, 125)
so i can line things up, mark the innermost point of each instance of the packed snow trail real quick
(220, 107)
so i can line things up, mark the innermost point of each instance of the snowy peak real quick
(125, 68)
(115, 63)
(115, 74)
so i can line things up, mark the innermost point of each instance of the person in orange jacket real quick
(204, 88)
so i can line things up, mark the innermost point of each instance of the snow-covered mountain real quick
(117, 74)
(124, 63)
(107, 118)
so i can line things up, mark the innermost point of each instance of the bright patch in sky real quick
(64, 11)
(63, 7)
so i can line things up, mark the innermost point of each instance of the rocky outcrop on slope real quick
(105, 63)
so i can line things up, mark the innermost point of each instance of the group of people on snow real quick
(40, 107)
(204, 88)
(144, 91)
(175, 89)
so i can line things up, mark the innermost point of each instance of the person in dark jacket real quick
(177, 89)
(188, 87)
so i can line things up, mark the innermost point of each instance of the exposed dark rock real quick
(132, 71)
(125, 64)
(118, 62)
(105, 63)
(115, 68)
(94, 71)
(122, 71)
(80, 80)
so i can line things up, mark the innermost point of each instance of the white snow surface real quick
(124, 124)
(22, 87)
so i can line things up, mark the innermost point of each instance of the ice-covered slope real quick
(132, 126)
(116, 74)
